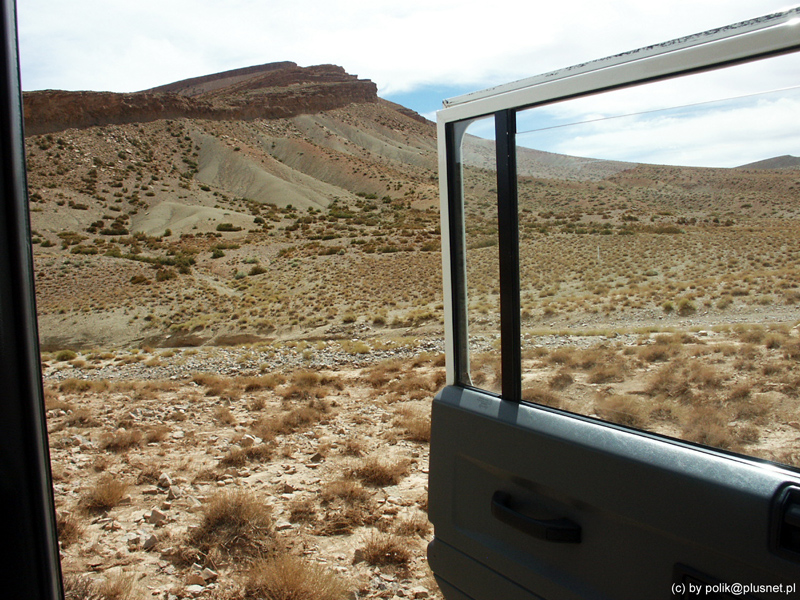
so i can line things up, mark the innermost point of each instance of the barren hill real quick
(286, 202)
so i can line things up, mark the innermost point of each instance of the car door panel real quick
(644, 505)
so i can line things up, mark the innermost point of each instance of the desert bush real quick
(69, 528)
(81, 417)
(605, 374)
(415, 525)
(64, 355)
(386, 549)
(224, 416)
(376, 473)
(299, 418)
(348, 491)
(288, 577)
(105, 494)
(238, 457)
(417, 426)
(622, 409)
(262, 382)
(302, 510)
(561, 380)
(705, 425)
(539, 395)
(686, 307)
(120, 440)
(234, 524)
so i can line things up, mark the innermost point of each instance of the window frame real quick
(748, 41)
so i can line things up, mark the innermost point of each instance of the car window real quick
(659, 255)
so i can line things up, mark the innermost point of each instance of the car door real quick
(619, 415)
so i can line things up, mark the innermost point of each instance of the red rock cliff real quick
(268, 91)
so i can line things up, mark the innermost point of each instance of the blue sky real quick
(418, 51)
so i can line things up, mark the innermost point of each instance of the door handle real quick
(552, 530)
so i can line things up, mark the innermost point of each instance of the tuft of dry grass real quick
(288, 577)
(561, 380)
(417, 426)
(621, 409)
(376, 473)
(386, 549)
(301, 417)
(262, 382)
(416, 525)
(539, 395)
(106, 493)
(69, 528)
(224, 416)
(120, 440)
(234, 524)
(238, 457)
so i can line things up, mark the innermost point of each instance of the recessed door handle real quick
(551, 530)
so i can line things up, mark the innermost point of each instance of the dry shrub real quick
(348, 491)
(288, 577)
(216, 385)
(238, 457)
(386, 549)
(302, 510)
(352, 447)
(224, 416)
(416, 525)
(107, 492)
(156, 433)
(539, 395)
(118, 587)
(301, 417)
(704, 375)
(590, 357)
(561, 380)
(69, 528)
(382, 373)
(376, 473)
(705, 425)
(120, 440)
(791, 350)
(76, 386)
(262, 382)
(412, 384)
(622, 409)
(348, 505)
(605, 374)
(234, 524)
(256, 404)
(655, 353)
(748, 434)
(417, 426)
(562, 356)
(774, 340)
(668, 381)
(82, 417)
(739, 392)
(752, 335)
(79, 587)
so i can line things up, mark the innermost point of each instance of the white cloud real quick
(125, 46)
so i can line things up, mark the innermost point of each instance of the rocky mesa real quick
(270, 91)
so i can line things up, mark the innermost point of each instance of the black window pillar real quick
(508, 235)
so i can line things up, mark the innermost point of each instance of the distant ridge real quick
(270, 91)
(206, 83)
(779, 162)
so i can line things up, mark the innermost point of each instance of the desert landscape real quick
(240, 307)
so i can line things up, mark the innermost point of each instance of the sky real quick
(418, 52)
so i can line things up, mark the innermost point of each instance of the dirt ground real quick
(338, 460)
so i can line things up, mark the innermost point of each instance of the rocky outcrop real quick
(269, 92)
